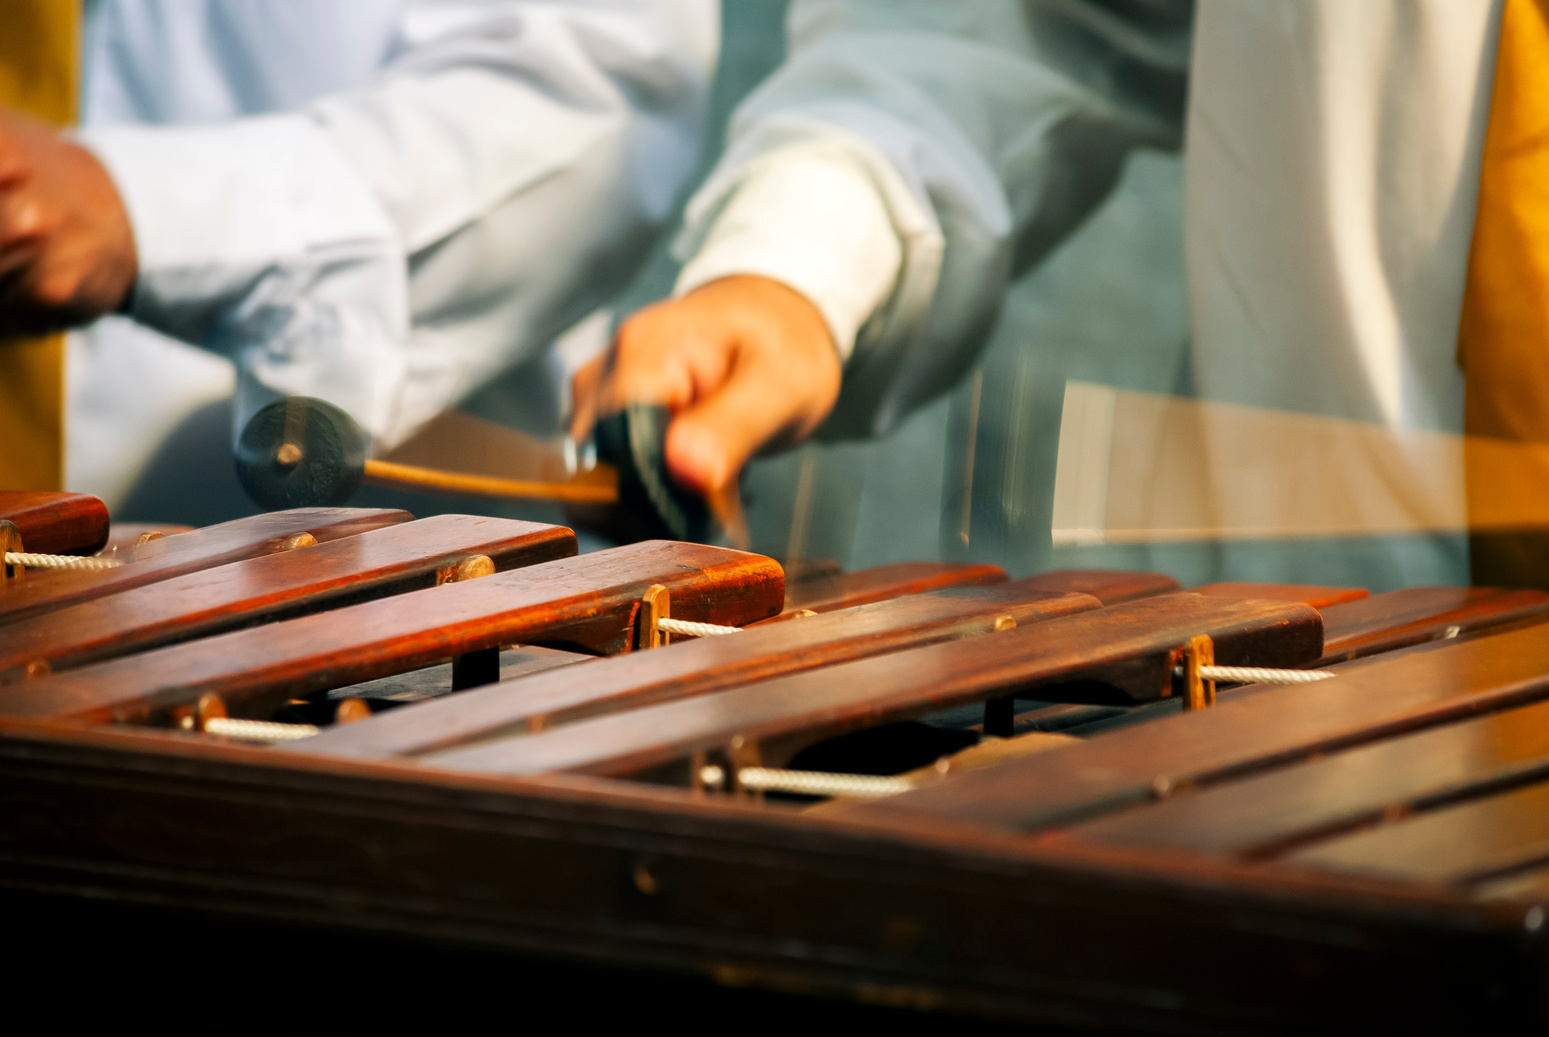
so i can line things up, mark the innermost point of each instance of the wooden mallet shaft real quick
(600, 485)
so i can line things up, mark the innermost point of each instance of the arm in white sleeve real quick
(911, 157)
(393, 247)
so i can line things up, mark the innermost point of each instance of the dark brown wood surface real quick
(593, 871)
(891, 581)
(189, 552)
(1131, 643)
(589, 601)
(1467, 843)
(56, 523)
(374, 564)
(1109, 586)
(1270, 813)
(1415, 615)
(1369, 700)
(693, 667)
(1317, 597)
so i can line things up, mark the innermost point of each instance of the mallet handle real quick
(603, 490)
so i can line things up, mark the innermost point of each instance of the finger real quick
(708, 444)
(583, 398)
(663, 358)
(13, 164)
(21, 216)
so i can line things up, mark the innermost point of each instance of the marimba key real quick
(184, 553)
(1316, 596)
(126, 539)
(373, 564)
(1109, 586)
(699, 667)
(1467, 843)
(1415, 615)
(56, 523)
(847, 590)
(1369, 700)
(590, 601)
(1266, 814)
(1130, 648)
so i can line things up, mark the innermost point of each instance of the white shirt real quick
(1332, 169)
(379, 202)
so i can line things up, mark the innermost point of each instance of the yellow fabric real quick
(39, 55)
(1503, 339)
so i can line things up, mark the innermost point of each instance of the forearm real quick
(975, 144)
(437, 224)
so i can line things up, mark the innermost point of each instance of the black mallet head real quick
(300, 452)
(651, 505)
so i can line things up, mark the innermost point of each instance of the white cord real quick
(257, 730)
(817, 783)
(37, 561)
(1260, 675)
(681, 626)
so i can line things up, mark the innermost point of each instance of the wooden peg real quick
(210, 706)
(11, 540)
(1198, 693)
(299, 540)
(350, 710)
(147, 545)
(482, 666)
(743, 752)
(655, 605)
(470, 568)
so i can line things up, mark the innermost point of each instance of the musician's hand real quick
(67, 252)
(744, 362)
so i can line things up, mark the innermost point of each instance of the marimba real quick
(924, 786)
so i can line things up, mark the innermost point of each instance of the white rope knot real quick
(687, 629)
(1260, 675)
(257, 730)
(815, 783)
(33, 560)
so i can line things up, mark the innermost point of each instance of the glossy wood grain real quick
(1131, 643)
(56, 523)
(1270, 813)
(864, 586)
(589, 601)
(190, 552)
(1466, 843)
(1368, 701)
(693, 667)
(1307, 594)
(1109, 586)
(1397, 619)
(374, 564)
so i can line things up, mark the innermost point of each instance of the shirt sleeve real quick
(393, 247)
(911, 157)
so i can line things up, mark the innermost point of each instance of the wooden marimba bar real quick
(967, 793)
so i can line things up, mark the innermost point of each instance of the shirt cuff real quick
(817, 224)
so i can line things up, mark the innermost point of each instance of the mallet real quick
(302, 452)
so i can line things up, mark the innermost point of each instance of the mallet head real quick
(300, 452)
